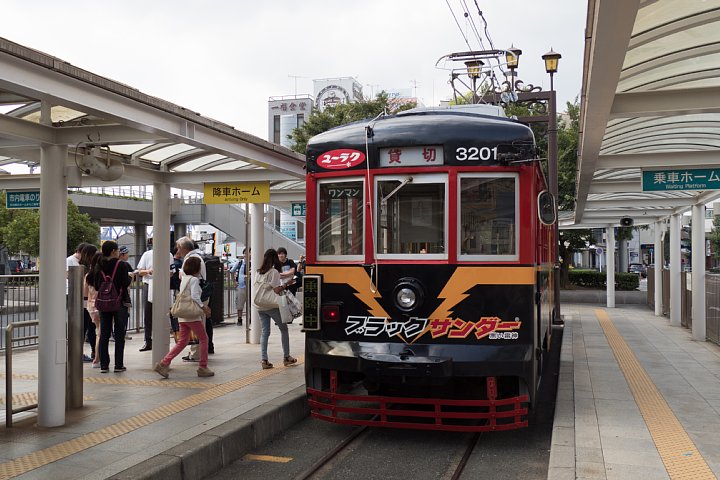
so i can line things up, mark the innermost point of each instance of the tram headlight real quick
(408, 295)
(405, 298)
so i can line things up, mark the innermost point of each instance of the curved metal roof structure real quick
(44, 100)
(650, 101)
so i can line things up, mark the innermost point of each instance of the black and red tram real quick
(428, 296)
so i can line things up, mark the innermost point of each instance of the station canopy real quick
(650, 104)
(44, 100)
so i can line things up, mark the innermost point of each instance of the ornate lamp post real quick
(551, 65)
(474, 68)
(512, 60)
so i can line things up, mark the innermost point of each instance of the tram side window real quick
(340, 218)
(488, 216)
(411, 217)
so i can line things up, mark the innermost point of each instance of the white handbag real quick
(264, 297)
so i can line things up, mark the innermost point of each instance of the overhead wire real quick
(458, 25)
(471, 21)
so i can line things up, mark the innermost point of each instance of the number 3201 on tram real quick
(427, 294)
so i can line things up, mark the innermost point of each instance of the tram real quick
(428, 295)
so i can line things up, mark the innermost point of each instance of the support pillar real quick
(698, 273)
(180, 230)
(161, 271)
(610, 256)
(675, 298)
(140, 241)
(257, 242)
(659, 261)
(52, 350)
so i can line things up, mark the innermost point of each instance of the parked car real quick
(638, 268)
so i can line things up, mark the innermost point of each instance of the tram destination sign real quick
(681, 179)
(15, 199)
(224, 193)
(311, 302)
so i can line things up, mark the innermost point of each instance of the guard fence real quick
(712, 300)
(20, 296)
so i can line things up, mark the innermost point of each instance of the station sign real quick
(298, 209)
(680, 179)
(231, 193)
(22, 199)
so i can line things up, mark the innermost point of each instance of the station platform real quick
(637, 398)
(135, 424)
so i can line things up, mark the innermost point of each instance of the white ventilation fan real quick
(99, 164)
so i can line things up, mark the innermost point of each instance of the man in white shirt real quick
(145, 270)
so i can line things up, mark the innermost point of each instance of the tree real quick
(713, 238)
(20, 229)
(341, 114)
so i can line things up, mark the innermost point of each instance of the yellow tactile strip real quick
(30, 398)
(37, 459)
(119, 380)
(678, 452)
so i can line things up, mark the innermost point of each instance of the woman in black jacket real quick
(115, 320)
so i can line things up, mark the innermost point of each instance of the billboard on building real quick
(334, 91)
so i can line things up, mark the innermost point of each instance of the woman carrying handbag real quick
(266, 287)
(191, 313)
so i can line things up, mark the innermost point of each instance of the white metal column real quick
(698, 273)
(52, 350)
(161, 271)
(610, 256)
(257, 242)
(659, 260)
(675, 299)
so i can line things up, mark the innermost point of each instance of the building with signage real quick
(334, 91)
(286, 113)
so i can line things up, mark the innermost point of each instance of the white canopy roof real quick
(650, 101)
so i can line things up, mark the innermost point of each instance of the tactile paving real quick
(42, 457)
(678, 452)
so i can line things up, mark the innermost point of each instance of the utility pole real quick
(414, 84)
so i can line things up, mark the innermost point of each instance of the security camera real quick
(626, 222)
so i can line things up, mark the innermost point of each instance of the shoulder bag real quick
(184, 306)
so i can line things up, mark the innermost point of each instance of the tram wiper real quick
(404, 182)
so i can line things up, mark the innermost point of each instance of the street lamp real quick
(551, 64)
(512, 60)
(474, 68)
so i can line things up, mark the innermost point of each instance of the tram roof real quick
(157, 141)
(650, 101)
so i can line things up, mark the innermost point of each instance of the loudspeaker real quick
(626, 222)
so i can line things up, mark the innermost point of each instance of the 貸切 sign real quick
(22, 199)
(224, 193)
(681, 179)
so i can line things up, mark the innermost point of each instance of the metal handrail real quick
(9, 410)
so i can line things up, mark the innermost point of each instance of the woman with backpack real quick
(266, 287)
(111, 279)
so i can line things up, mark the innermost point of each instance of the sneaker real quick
(96, 365)
(266, 365)
(147, 346)
(119, 369)
(289, 361)
(163, 370)
(87, 359)
(188, 358)
(205, 372)
(104, 370)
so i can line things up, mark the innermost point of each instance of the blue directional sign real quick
(298, 209)
(681, 179)
(22, 199)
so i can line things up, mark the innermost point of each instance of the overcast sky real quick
(223, 59)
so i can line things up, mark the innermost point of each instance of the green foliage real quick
(714, 237)
(597, 280)
(576, 241)
(20, 229)
(341, 114)
(568, 139)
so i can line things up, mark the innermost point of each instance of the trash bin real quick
(214, 270)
